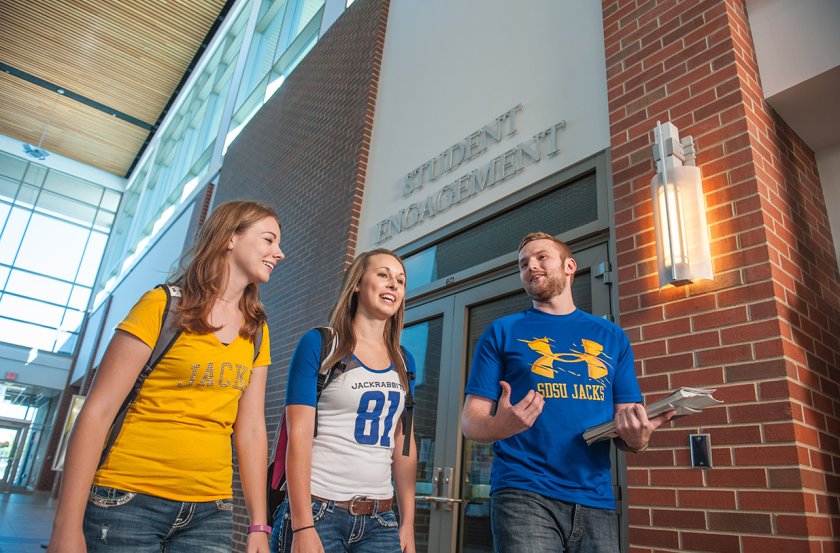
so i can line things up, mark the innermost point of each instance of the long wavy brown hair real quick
(341, 317)
(205, 270)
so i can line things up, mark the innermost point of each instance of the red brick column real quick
(766, 331)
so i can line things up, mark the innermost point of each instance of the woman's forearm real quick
(301, 426)
(405, 478)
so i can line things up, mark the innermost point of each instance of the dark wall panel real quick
(305, 153)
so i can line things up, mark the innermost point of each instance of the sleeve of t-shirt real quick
(264, 356)
(625, 385)
(302, 388)
(143, 321)
(487, 368)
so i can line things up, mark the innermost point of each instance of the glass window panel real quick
(72, 320)
(421, 267)
(4, 274)
(92, 258)
(12, 167)
(424, 341)
(104, 220)
(66, 208)
(560, 210)
(478, 457)
(39, 254)
(261, 52)
(79, 298)
(307, 46)
(39, 287)
(27, 335)
(31, 311)
(308, 10)
(8, 188)
(27, 195)
(4, 212)
(73, 187)
(35, 175)
(66, 343)
(582, 290)
(111, 200)
(12, 233)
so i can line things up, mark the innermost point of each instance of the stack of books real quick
(684, 401)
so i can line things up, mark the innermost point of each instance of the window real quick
(53, 230)
(564, 208)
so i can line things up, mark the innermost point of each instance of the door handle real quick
(442, 484)
(438, 499)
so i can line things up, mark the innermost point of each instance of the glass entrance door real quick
(12, 439)
(476, 457)
(453, 481)
(426, 335)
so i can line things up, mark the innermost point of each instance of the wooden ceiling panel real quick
(75, 130)
(126, 54)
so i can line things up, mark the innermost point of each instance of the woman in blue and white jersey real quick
(340, 491)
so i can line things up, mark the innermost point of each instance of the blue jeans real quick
(128, 522)
(339, 531)
(524, 522)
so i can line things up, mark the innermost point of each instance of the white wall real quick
(795, 40)
(37, 368)
(451, 67)
(828, 164)
(797, 47)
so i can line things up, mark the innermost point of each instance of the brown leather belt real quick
(361, 505)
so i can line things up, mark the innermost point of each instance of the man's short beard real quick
(552, 287)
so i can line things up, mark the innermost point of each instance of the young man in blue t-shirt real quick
(552, 372)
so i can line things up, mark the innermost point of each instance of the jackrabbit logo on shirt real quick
(594, 364)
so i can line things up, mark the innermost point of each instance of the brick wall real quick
(305, 153)
(766, 331)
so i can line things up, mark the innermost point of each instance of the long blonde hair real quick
(341, 317)
(204, 276)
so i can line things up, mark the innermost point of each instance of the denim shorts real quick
(340, 531)
(129, 522)
(524, 522)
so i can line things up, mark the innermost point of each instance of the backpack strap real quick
(408, 413)
(166, 338)
(258, 343)
(277, 470)
(329, 343)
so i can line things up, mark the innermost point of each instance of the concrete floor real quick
(25, 522)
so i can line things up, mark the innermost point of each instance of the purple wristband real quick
(259, 528)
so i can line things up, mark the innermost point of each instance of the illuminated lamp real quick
(683, 253)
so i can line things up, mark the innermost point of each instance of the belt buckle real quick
(352, 503)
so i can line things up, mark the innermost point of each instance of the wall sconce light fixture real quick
(679, 210)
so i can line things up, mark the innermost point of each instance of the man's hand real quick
(513, 419)
(479, 424)
(634, 427)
